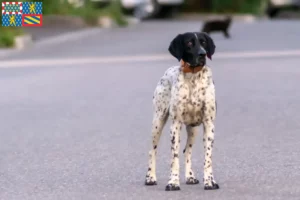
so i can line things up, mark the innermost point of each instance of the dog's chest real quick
(190, 97)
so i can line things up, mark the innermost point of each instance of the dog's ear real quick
(210, 45)
(176, 47)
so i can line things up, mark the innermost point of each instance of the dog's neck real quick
(187, 69)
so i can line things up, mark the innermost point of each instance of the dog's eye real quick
(189, 44)
(202, 42)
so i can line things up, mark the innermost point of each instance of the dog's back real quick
(217, 25)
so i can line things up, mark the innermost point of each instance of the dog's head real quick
(192, 47)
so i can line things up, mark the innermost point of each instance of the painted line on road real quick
(138, 58)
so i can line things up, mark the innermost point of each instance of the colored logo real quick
(22, 13)
(32, 20)
(11, 20)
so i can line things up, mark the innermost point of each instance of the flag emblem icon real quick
(12, 8)
(32, 8)
(22, 13)
(32, 20)
(11, 20)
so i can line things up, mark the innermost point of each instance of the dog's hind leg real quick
(191, 136)
(174, 182)
(161, 100)
(157, 127)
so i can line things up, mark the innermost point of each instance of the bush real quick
(8, 34)
(237, 6)
(88, 12)
(114, 10)
(225, 6)
(61, 7)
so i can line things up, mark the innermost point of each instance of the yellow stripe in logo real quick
(32, 20)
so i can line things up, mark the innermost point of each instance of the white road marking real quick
(138, 58)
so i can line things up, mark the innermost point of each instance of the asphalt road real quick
(82, 131)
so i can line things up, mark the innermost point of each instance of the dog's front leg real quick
(191, 136)
(208, 140)
(173, 183)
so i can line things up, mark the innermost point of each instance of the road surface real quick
(80, 128)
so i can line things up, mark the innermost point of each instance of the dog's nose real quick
(201, 52)
(202, 55)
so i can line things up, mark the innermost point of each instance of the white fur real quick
(188, 99)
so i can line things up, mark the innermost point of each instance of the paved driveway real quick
(82, 131)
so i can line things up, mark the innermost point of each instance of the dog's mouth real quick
(199, 63)
(202, 63)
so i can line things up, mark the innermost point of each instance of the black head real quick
(192, 47)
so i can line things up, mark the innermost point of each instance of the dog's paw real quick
(192, 181)
(172, 187)
(150, 180)
(212, 186)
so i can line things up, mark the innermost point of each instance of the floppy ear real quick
(176, 47)
(210, 45)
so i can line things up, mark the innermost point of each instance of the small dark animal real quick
(186, 95)
(218, 25)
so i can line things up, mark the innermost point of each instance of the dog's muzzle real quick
(200, 59)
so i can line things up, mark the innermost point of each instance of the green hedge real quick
(89, 12)
(225, 6)
(61, 7)
(8, 34)
(237, 6)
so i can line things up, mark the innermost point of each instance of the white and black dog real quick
(186, 94)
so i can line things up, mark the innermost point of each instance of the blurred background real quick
(71, 15)
(76, 100)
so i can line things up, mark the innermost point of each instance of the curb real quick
(23, 41)
(27, 41)
(64, 21)
(108, 22)
(78, 22)
(66, 37)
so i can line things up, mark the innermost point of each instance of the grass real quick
(88, 12)
(7, 36)
(237, 6)
(226, 6)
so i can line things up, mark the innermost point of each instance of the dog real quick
(186, 94)
(218, 25)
